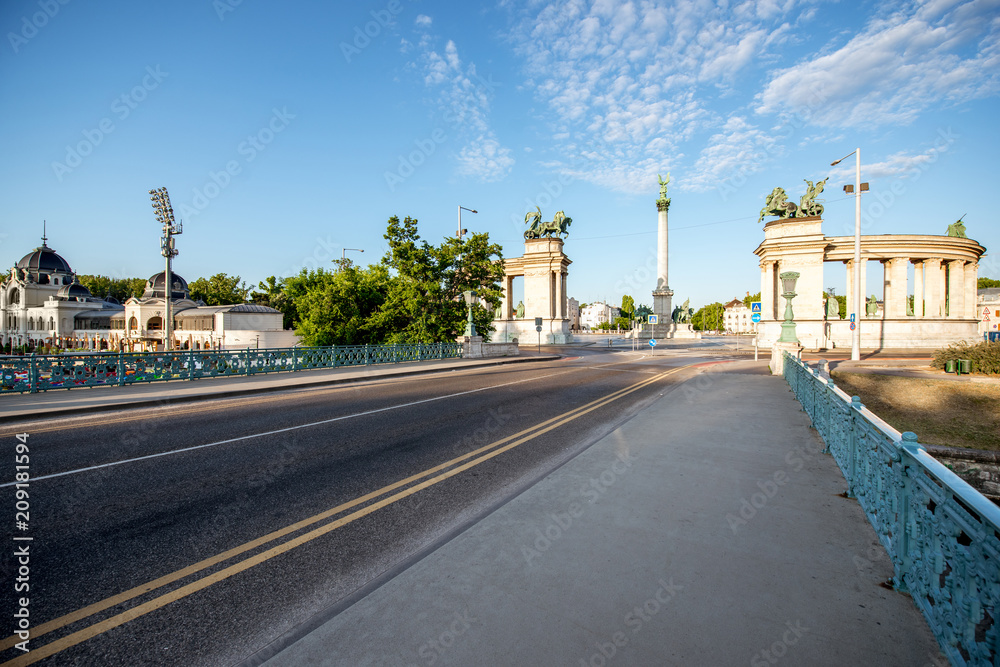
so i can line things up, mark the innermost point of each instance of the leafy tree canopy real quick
(628, 307)
(118, 288)
(750, 299)
(709, 318)
(219, 290)
(985, 283)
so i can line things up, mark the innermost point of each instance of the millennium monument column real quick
(662, 294)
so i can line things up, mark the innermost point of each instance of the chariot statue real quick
(777, 202)
(957, 229)
(558, 226)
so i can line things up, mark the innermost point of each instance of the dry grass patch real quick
(940, 412)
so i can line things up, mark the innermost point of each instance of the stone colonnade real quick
(945, 273)
(545, 269)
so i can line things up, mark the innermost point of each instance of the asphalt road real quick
(250, 516)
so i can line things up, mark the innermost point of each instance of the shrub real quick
(985, 356)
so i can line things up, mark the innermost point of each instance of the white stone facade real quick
(598, 312)
(737, 318)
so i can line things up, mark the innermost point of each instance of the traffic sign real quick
(755, 317)
(986, 310)
(852, 320)
(652, 342)
(853, 325)
(755, 307)
(653, 319)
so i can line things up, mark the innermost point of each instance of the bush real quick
(985, 356)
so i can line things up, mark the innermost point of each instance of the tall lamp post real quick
(343, 252)
(857, 188)
(462, 232)
(165, 216)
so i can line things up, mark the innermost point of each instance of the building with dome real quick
(41, 303)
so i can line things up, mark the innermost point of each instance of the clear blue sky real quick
(332, 117)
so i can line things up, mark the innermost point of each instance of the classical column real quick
(564, 304)
(933, 296)
(895, 287)
(766, 307)
(850, 288)
(557, 276)
(918, 288)
(662, 305)
(971, 291)
(956, 288)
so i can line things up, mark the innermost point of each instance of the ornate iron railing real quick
(69, 371)
(942, 535)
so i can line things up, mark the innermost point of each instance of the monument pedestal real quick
(670, 330)
(554, 332)
(778, 349)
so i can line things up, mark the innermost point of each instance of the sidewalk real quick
(94, 399)
(707, 530)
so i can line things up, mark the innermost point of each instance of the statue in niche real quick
(519, 313)
(832, 308)
(871, 308)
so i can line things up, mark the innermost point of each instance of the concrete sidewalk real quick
(707, 530)
(14, 407)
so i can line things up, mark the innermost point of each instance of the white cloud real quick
(897, 67)
(463, 97)
(739, 149)
(629, 77)
(423, 21)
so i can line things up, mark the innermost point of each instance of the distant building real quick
(988, 309)
(573, 312)
(737, 318)
(42, 303)
(595, 313)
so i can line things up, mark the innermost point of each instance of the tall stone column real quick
(767, 290)
(971, 290)
(918, 289)
(895, 287)
(934, 293)
(956, 288)
(662, 305)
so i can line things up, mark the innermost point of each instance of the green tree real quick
(425, 302)
(622, 323)
(986, 283)
(271, 292)
(750, 298)
(118, 288)
(219, 290)
(628, 307)
(339, 307)
(709, 318)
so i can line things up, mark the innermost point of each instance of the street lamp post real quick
(343, 252)
(857, 188)
(461, 232)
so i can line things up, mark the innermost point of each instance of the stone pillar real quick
(895, 287)
(918, 289)
(971, 291)
(956, 288)
(662, 302)
(767, 290)
(850, 288)
(508, 297)
(933, 297)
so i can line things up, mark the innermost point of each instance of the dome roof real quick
(44, 259)
(73, 291)
(154, 286)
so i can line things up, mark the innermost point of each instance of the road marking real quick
(484, 453)
(280, 430)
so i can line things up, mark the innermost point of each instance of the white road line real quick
(282, 430)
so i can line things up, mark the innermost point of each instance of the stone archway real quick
(545, 269)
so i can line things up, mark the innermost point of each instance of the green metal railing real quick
(942, 535)
(69, 371)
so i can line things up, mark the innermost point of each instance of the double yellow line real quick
(434, 475)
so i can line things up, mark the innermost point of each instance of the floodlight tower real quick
(165, 216)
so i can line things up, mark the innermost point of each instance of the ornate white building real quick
(41, 303)
(595, 313)
(737, 318)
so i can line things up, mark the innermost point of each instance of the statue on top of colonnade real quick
(777, 202)
(537, 229)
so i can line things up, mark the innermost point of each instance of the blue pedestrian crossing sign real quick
(755, 307)
(652, 342)
(653, 319)
(755, 317)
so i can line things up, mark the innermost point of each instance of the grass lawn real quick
(940, 412)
